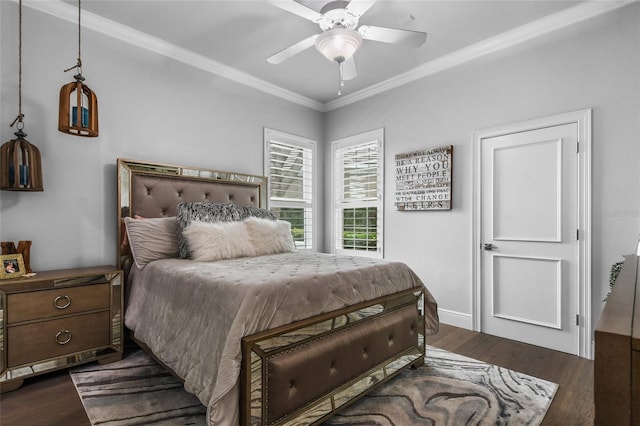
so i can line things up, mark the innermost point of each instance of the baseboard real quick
(457, 319)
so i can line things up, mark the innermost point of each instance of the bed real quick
(253, 350)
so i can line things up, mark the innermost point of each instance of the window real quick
(358, 174)
(289, 164)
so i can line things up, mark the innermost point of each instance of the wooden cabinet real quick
(57, 319)
(617, 352)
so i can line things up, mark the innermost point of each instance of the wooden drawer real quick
(37, 341)
(43, 304)
(81, 305)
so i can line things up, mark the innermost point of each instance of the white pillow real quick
(218, 240)
(270, 236)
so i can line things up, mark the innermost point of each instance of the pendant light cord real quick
(79, 64)
(20, 116)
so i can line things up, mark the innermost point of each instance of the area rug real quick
(449, 389)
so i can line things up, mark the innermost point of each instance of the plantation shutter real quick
(359, 198)
(291, 188)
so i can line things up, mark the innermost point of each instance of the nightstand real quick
(58, 319)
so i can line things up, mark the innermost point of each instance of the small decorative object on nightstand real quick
(12, 266)
(24, 248)
(57, 319)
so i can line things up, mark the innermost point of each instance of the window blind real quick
(358, 213)
(291, 188)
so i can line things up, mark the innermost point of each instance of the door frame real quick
(582, 119)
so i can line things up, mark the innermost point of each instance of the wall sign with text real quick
(423, 179)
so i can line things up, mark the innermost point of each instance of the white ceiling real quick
(240, 34)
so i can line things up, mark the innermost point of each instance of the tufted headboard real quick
(155, 190)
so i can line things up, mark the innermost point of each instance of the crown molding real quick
(126, 34)
(581, 12)
(533, 29)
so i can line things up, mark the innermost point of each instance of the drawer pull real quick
(63, 337)
(62, 305)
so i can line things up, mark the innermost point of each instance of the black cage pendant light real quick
(20, 164)
(78, 112)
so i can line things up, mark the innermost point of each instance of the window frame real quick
(271, 135)
(336, 227)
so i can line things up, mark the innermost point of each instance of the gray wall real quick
(156, 109)
(594, 64)
(151, 108)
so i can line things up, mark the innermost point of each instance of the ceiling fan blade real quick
(359, 7)
(394, 36)
(298, 9)
(349, 70)
(288, 52)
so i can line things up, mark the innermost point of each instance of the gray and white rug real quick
(449, 390)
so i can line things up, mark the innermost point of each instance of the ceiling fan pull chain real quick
(341, 82)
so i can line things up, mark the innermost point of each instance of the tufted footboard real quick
(304, 372)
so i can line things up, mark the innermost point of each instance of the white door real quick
(529, 256)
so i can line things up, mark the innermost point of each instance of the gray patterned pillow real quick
(246, 212)
(203, 212)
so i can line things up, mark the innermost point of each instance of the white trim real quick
(582, 119)
(108, 27)
(299, 141)
(558, 284)
(533, 29)
(572, 15)
(558, 237)
(457, 319)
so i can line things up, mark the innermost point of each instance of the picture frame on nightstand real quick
(12, 266)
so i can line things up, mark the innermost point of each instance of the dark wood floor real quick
(51, 399)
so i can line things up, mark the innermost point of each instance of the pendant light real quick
(20, 164)
(78, 112)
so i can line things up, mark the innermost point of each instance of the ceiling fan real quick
(341, 36)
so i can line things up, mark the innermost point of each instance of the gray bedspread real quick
(193, 314)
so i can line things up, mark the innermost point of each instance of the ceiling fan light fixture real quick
(338, 44)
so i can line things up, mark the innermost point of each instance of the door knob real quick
(489, 246)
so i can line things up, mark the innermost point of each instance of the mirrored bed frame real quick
(303, 352)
